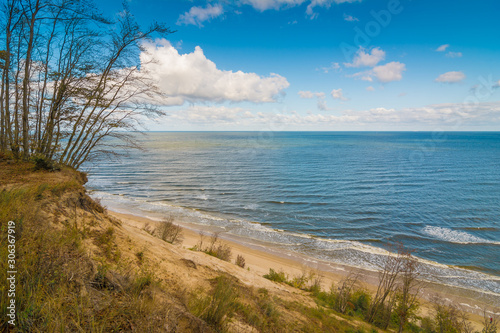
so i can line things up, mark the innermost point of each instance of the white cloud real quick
(212, 114)
(320, 96)
(322, 104)
(497, 85)
(350, 18)
(263, 5)
(370, 88)
(389, 72)
(310, 94)
(192, 77)
(452, 116)
(198, 15)
(325, 4)
(450, 77)
(454, 54)
(335, 66)
(370, 59)
(365, 76)
(338, 94)
(442, 48)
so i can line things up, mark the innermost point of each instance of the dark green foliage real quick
(44, 163)
(276, 276)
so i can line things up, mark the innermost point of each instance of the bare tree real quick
(384, 299)
(71, 79)
(345, 290)
(409, 288)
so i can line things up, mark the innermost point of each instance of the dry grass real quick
(77, 273)
(60, 287)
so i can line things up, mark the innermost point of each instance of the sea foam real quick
(454, 236)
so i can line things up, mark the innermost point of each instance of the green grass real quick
(218, 306)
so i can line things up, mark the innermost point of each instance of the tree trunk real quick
(27, 67)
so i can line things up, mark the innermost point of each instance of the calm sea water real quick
(340, 197)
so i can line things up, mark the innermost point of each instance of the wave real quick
(454, 236)
(353, 253)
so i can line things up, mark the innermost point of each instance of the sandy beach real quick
(260, 258)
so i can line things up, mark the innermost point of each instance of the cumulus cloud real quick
(370, 88)
(451, 77)
(364, 59)
(194, 78)
(350, 18)
(198, 15)
(338, 94)
(454, 54)
(392, 71)
(442, 48)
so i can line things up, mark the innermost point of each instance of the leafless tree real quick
(71, 79)
(384, 299)
(344, 291)
(408, 289)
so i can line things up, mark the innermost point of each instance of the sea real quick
(337, 197)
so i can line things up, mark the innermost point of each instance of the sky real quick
(323, 65)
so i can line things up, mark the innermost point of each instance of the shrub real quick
(221, 251)
(240, 261)
(215, 248)
(140, 256)
(361, 300)
(276, 276)
(44, 163)
(169, 232)
(315, 286)
(327, 299)
(448, 318)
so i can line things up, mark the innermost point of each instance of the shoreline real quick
(339, 253)
(260, 258)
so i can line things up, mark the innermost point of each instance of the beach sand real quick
(259, 258)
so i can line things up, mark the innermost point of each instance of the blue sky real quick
(324, 64)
